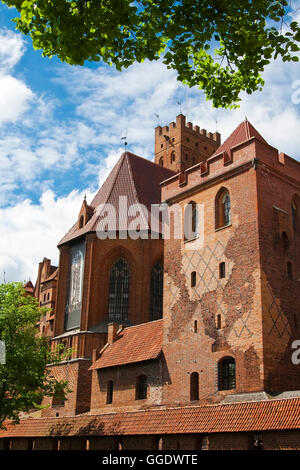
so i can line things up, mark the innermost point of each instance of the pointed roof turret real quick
(242, 133)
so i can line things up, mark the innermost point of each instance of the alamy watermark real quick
(124, 220)
(296, 353)
(2, 352)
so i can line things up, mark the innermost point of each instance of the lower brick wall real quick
(277, 440)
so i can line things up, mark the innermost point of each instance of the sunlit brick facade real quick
(220, 330)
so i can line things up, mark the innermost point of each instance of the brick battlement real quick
(181, 145)
(252, 152)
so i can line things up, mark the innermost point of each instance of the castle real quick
(179, 342)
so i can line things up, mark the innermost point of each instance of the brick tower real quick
(180, 146)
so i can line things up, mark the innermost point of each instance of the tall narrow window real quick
(109, 392)
(285, 242)
(194, 386)
(223, 209)
(161, 162)
(81, 221)
(226, 374)
(193, 279)
(191, 221)
(156, 292)
(118, 291)
(75, 286)
(219, 322)
(222, 271)
(141, 388)
(172, 157)
(294, 216)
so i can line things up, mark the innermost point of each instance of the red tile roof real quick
(242, 133)
(134, 344)
(234, 417)
(133, 176)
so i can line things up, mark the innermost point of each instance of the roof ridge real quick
(119, 165)
(141, 324)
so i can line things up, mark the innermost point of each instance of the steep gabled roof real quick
(134, 344)
(134, 177)
(242, 133)
(54, 275)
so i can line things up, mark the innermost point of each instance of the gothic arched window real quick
(156, 291)
(191, 221)
(226, 373)
(118, 291)
(161, 162)
(223, 209)
(194, 386)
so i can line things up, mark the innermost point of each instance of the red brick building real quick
(185, 341)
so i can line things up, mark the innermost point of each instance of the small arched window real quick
(226, 373)
(223, 209)
(172, 158)
(109, 392)
(81, 221)
(194, 386)
(141, 388)
(294, 216)
(161, 161)
(118, 291)
(191, 221)
(156, 291)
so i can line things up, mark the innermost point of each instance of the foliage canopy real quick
(24, 377)
(222, 46)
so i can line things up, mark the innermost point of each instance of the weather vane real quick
(179, 102)
(125, 140)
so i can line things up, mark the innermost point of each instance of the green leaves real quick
(221, 46)
(24, 378)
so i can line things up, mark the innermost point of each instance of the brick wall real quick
(124, 390)
(237, 297)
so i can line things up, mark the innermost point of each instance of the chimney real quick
(112, 329)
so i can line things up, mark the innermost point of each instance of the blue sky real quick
(61, 129)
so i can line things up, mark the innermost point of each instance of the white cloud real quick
(15, 98)
(12, 48)
(30, 232)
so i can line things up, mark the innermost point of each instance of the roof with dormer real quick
(134, 177)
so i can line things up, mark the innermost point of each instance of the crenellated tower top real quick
(181, 145)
